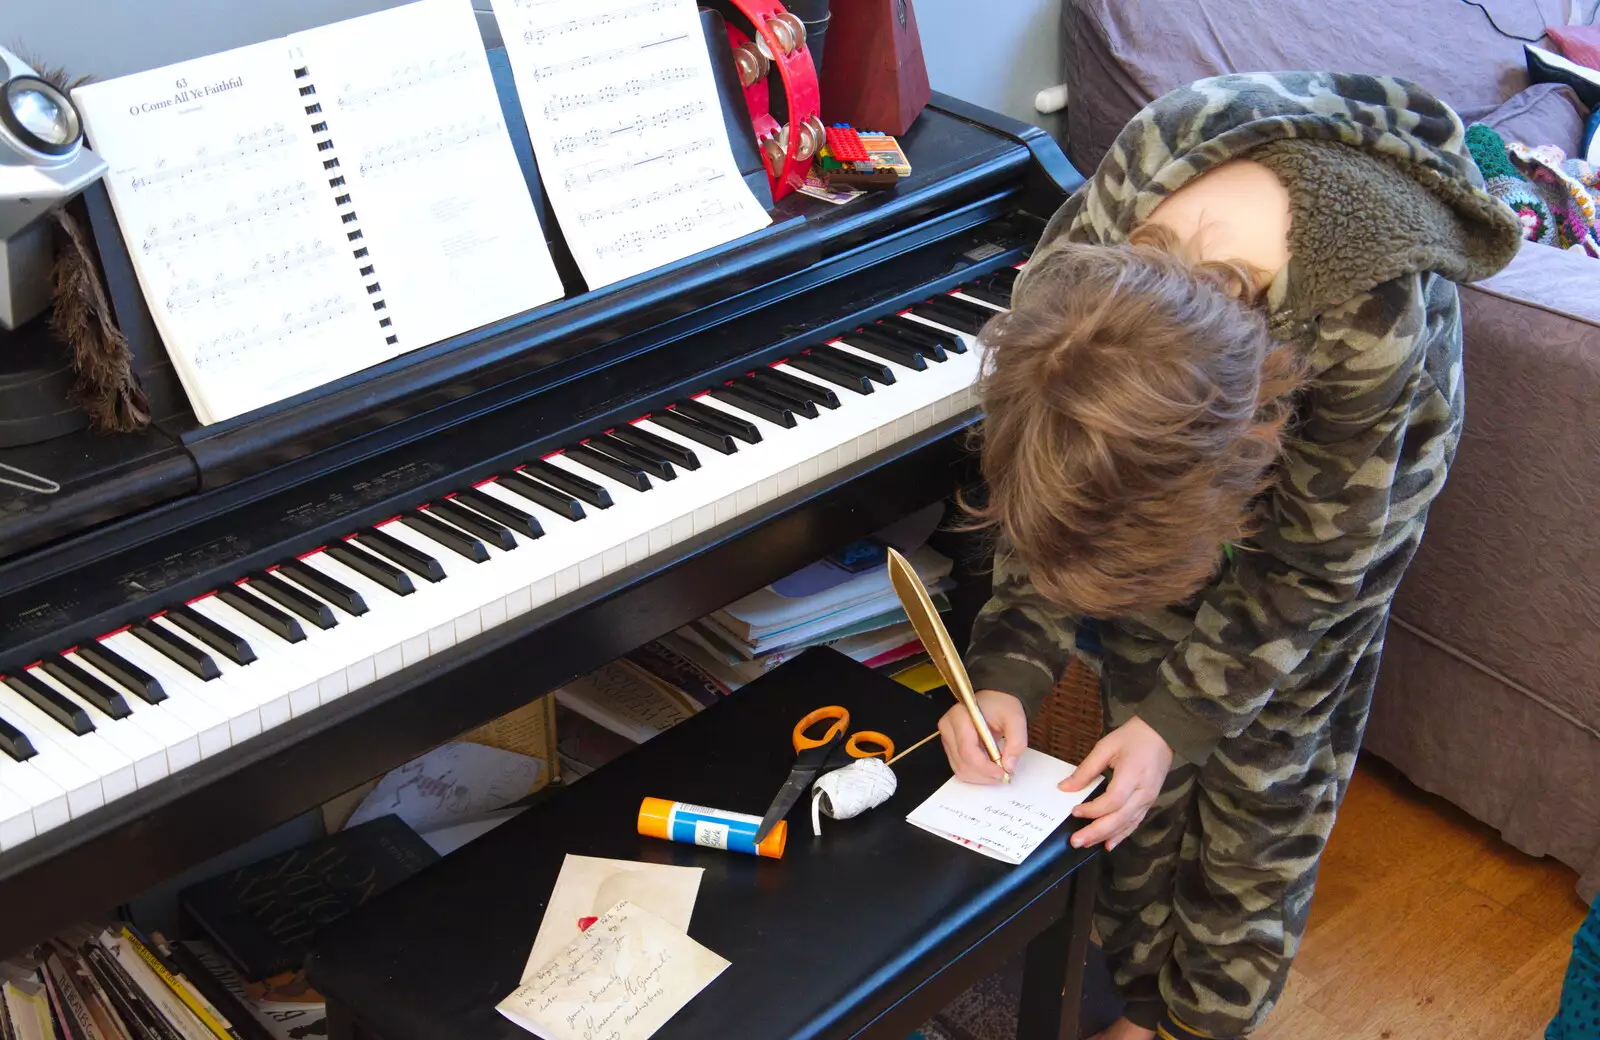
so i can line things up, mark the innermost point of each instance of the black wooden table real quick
(866, 932)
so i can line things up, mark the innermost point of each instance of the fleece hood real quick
(1380, 181)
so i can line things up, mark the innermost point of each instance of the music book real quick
(302, 209)
(628, 129)
(1003, 821)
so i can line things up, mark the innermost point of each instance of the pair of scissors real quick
(817, 755)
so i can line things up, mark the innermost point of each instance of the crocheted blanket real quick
(1556, 198)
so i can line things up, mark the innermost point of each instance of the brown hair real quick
(1135, 405)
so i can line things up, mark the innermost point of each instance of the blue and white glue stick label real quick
(714, 828)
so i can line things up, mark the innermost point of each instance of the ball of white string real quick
(851, 791)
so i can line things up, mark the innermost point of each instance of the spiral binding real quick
(347, 214)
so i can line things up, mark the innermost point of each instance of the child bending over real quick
(1227, 392)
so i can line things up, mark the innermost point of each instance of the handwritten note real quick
(589, 886)
(627, 127)
(1002, 821)
(620, 980)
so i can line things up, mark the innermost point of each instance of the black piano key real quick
(656, 444)
(943, 309)
(558, 502)
(797, 403)
(262, 613)
(848, 378)
(503, 512)
(292, 599)
(878, 373)
(684, 426)
(327, 587)
(794, 386)
(15, 743)
(372, 567)
(625, 473)
(179, 651)
(879, 346)
(931, 348)
(452, 538)
(654, 464)
(53, 703)
(124, 671)
(107, 698)
(1007, 278)
(720, 421)
(571, 483)
(988, 292)
(748, 399)
(919, 334)
(971, 308)
(229, 644)
(488, 531)
(400, 554)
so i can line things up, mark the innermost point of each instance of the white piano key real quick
(114, 769)
(81, 784)
(16, 820)
(204, 725)
(149, 758)
(256, 681)
(45, 798)
(241, 714)
(299, 674)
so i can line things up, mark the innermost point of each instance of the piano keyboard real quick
(96, 722)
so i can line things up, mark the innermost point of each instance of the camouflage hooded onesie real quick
(1261, 682)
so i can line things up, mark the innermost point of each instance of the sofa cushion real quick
(1120, 55)
(1504, 579)
(1545, 113)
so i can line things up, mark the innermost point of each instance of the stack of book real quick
(845, 601)
(240, 980)
(623, 704)
(113, 982)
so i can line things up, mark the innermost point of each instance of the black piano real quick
(209, 631)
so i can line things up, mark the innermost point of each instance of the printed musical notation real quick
(606, 57)
(582, 178)
(639, 202)
(187, 227)
(602, 20)
(434, 72)
(245, 147)
(263, 268)
(226, 349)
(429, 142)
(600, 136)
(627, 126)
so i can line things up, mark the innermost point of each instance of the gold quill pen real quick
(941, 649)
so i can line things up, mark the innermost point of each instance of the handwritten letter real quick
(587, 887)
(626, 123)
(1002, 821)
(620, 980)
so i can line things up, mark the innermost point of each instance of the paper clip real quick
(40, 485)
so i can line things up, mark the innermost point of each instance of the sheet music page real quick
(627, 127)
(217, 188)
(413, 116)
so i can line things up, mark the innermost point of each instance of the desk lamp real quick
(43, 164)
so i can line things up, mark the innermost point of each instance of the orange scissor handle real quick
(841, 718)
(884, 746)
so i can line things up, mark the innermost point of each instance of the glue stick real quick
(712, 828)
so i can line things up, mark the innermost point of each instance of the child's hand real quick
(1139, 759)
(964, 748)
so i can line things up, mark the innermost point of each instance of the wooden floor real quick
(1426, 925)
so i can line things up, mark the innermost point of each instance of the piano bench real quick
(865, 932)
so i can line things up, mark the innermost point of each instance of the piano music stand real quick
(866, 932)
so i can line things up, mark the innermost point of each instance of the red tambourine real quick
(786, 148)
